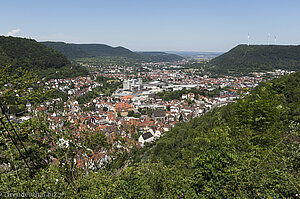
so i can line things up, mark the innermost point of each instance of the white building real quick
(130, 84)
(146, 137)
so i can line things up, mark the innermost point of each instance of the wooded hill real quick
(159, 56)
(30, 54)
(244, 59)
(74, 51)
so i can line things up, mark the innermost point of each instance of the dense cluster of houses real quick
(74, 87)
(135, 113)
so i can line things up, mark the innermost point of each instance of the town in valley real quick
(134, 106)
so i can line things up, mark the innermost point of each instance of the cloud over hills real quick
(13, 32)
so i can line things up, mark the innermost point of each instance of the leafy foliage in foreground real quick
(248, 149)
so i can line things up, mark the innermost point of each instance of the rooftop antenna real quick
(269, 35)
(248, 39)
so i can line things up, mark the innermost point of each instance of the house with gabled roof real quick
(123, 108)
(146, 138)
(159, 115)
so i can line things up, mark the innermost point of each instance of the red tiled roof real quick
(127, 97)
(42, 108)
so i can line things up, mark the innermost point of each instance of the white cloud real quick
(13, 32)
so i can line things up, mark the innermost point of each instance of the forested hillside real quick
(76, 51)
(244, 59)
(29, 54)
(69, 50)
(248, 149)
(73, 51)
(159, 56)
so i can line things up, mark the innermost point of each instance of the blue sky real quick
(187, 25)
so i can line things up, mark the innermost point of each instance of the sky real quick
(148, 25)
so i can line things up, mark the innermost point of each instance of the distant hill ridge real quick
(244, 58)
(159, 56)
(74, 51)
(29, 53)
(32, 55)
